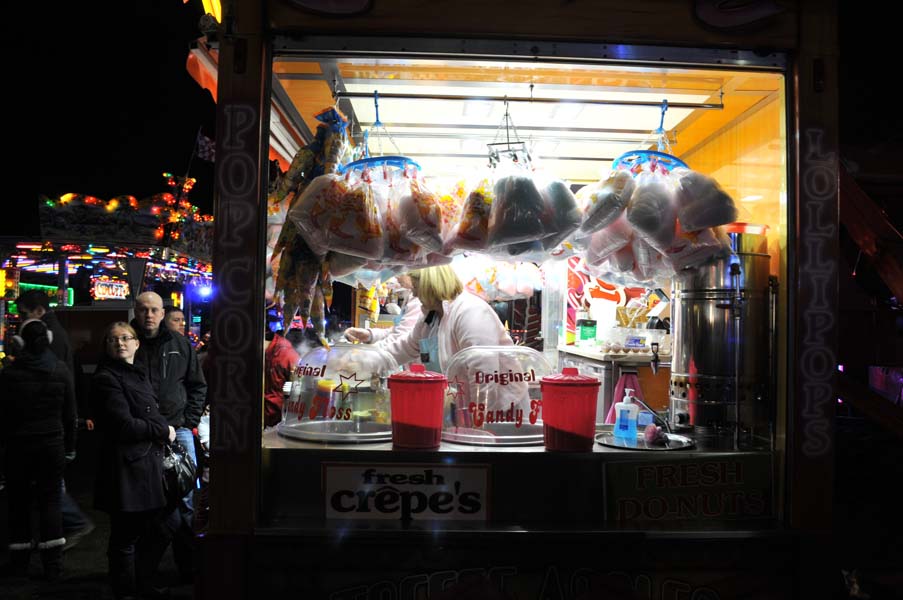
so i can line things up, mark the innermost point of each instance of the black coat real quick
(60, 344)
(37, 400)
(133, 434)
(175, 375)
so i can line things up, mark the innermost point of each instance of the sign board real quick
(111, 290)
(400, 491)
(723, 487)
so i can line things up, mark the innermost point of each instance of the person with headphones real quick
(38, 428)
(34, 304)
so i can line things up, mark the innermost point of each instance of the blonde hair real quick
(435, 284)
(119, 325)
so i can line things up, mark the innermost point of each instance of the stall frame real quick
(236, 547)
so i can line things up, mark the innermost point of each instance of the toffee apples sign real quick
(406, 492)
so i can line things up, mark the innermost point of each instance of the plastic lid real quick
(417, 372)
(570, 376)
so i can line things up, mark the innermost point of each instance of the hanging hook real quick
(660, 132)
(377, 122)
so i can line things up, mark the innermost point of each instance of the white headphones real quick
(19, 342)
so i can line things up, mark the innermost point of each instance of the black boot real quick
(52, 559)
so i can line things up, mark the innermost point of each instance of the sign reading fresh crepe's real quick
(406, 491)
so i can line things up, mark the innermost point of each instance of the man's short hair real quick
(32, 299)
(171, 309)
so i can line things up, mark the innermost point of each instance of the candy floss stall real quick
(667, 170)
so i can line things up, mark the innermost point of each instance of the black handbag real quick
(179, 473)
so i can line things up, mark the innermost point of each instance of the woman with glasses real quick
(130, 476)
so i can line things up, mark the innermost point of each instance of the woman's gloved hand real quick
(358, 334)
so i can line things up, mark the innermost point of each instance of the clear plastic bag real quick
(651, 210)
(315, 208)
(692, 249)
(472, 229)
(517, 210)
(608, 240)
(419, 211)
(604, 201)
(399, 248)
(561, 214)
(701, 202)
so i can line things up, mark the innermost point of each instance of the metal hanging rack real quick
(394, 160)
(515, 150)
(692, 105)
(661, 156)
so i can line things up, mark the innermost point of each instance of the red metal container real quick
(417, 398)
(569, 410)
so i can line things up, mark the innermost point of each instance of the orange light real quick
(751, 228)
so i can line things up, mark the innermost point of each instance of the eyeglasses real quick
(123, 338)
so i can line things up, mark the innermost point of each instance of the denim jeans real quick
(186, 438)
(74, 520)
(182, 531)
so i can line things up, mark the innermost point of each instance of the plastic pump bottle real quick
(625, 417)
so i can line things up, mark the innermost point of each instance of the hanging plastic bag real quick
(518, 207)
(701, 202)
(419, 211)
(339, 264)
(651, 210)
(340, 213)
(561, 214)
(608, 240)
(604, 201)
(399, 248)
(472, 230)
(691, 249)
(314, 208)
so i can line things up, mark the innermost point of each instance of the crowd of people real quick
(149, 390)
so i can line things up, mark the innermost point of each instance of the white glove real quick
(172, 434)
(358, 334)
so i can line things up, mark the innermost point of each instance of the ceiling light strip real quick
(449, 97)
(426, 135)
(493, 128)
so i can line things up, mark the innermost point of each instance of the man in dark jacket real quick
(34, 304)
(172, 366)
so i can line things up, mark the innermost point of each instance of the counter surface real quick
(627, 357)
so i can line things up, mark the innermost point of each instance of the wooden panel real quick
(309, 97)
(748, 161)
(283, 67)
(650, 22)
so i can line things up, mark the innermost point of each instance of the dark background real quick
(113, 105)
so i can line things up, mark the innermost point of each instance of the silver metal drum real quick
(721, 320)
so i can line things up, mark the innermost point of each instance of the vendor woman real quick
(454, 319)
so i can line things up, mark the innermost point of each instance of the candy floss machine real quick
(723, 331)
(339, 395)
(493, 396)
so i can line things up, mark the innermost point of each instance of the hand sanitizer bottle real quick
(625, 417)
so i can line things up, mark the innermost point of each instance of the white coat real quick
(410, 316)
(466, 321)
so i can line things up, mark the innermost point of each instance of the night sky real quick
(113, 106)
